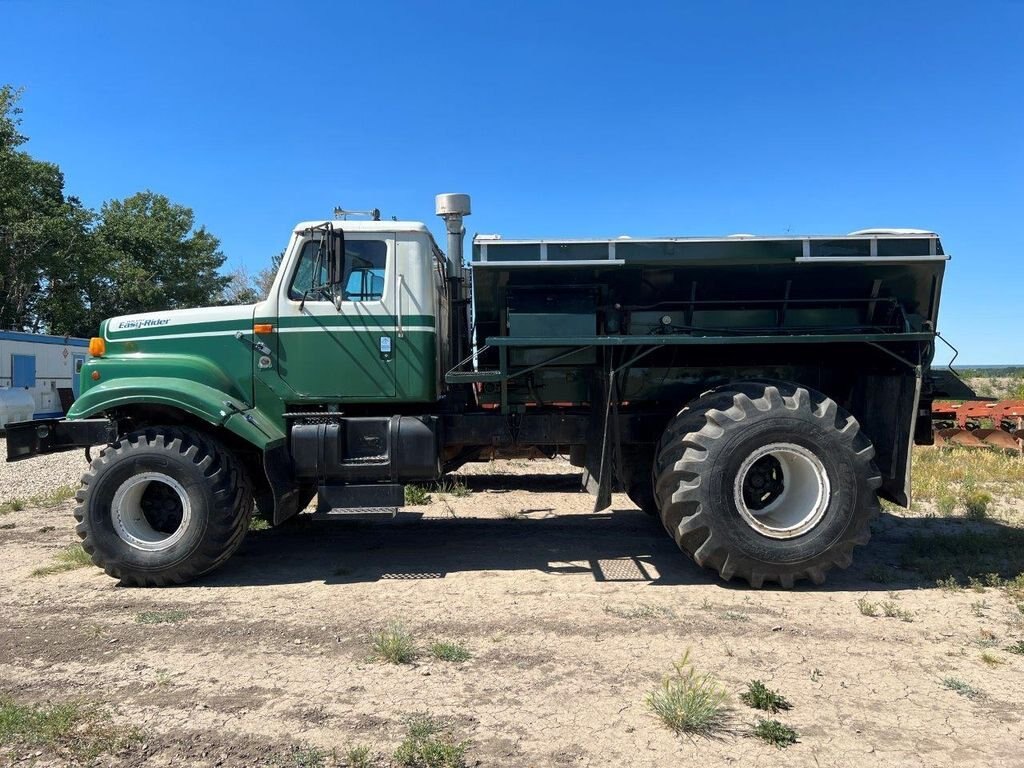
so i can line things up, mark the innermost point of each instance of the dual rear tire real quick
(766, 482)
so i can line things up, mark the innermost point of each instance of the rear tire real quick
(767, 482)
(162, 506)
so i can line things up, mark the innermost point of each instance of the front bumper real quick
(26, 439)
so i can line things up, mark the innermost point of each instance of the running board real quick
(348, 500)
(358, 513)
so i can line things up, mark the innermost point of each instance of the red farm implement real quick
(980, 423)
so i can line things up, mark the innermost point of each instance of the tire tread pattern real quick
(680, 465)
(228, 520)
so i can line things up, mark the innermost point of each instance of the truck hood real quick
(199, 321)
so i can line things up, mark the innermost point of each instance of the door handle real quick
(258, 345)
(398, 317)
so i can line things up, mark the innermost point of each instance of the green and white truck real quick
(758, 393)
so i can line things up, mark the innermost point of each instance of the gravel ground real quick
(39, 476)
(570, 619)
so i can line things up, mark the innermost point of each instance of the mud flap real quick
(886, 407)
(277, 465)
(599, 459)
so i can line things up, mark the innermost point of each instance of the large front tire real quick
(163, 506)
(767, 482)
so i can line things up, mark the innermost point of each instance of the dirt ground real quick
(571, 619)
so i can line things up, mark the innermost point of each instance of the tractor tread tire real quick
(695, 446)
(211, 465)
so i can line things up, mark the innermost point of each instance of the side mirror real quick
(336, 257)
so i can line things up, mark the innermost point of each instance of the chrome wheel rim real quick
(151, 511)
(782, 490)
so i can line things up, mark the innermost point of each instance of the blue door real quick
(23, 371)
(78, 361)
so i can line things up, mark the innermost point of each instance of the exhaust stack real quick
(452, 207)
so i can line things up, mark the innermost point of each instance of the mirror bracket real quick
(336, 265)
(332, 250)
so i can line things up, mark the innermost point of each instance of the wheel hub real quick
(782, 490)
(764, 483)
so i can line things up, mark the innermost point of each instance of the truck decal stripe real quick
(359, 328)
(360, 323)
(305, 329)
(410, 324)
(129, 337)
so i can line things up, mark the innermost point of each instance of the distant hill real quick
(989, 370)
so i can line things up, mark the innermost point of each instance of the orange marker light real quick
(95, 375)
(97, 346)
(262, 328)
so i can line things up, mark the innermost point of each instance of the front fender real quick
(203, 401)
(198, 367)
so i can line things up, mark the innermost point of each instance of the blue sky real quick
(560, 119)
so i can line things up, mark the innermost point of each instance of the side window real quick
(365, 261)
(365, 265)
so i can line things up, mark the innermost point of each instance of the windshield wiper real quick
(322, 290)
(318, 265)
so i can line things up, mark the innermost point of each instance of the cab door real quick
(329, 352)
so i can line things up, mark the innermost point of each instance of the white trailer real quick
(41, 366)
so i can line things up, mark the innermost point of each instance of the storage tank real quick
(15, 405)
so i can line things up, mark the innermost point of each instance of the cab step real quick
(349, 501)
(357, 513)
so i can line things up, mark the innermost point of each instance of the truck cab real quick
(373, 340)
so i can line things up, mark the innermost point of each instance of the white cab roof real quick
(365, 226)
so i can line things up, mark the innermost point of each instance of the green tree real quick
(63, 300)
(63, 269)
(39, 227)
(155, 257)
(141, 254)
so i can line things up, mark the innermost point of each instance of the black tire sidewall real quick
(802, 429)
(135, 460)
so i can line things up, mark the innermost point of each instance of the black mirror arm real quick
(337, 266)
(331, 249)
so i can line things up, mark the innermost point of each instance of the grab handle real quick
(398, 318)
